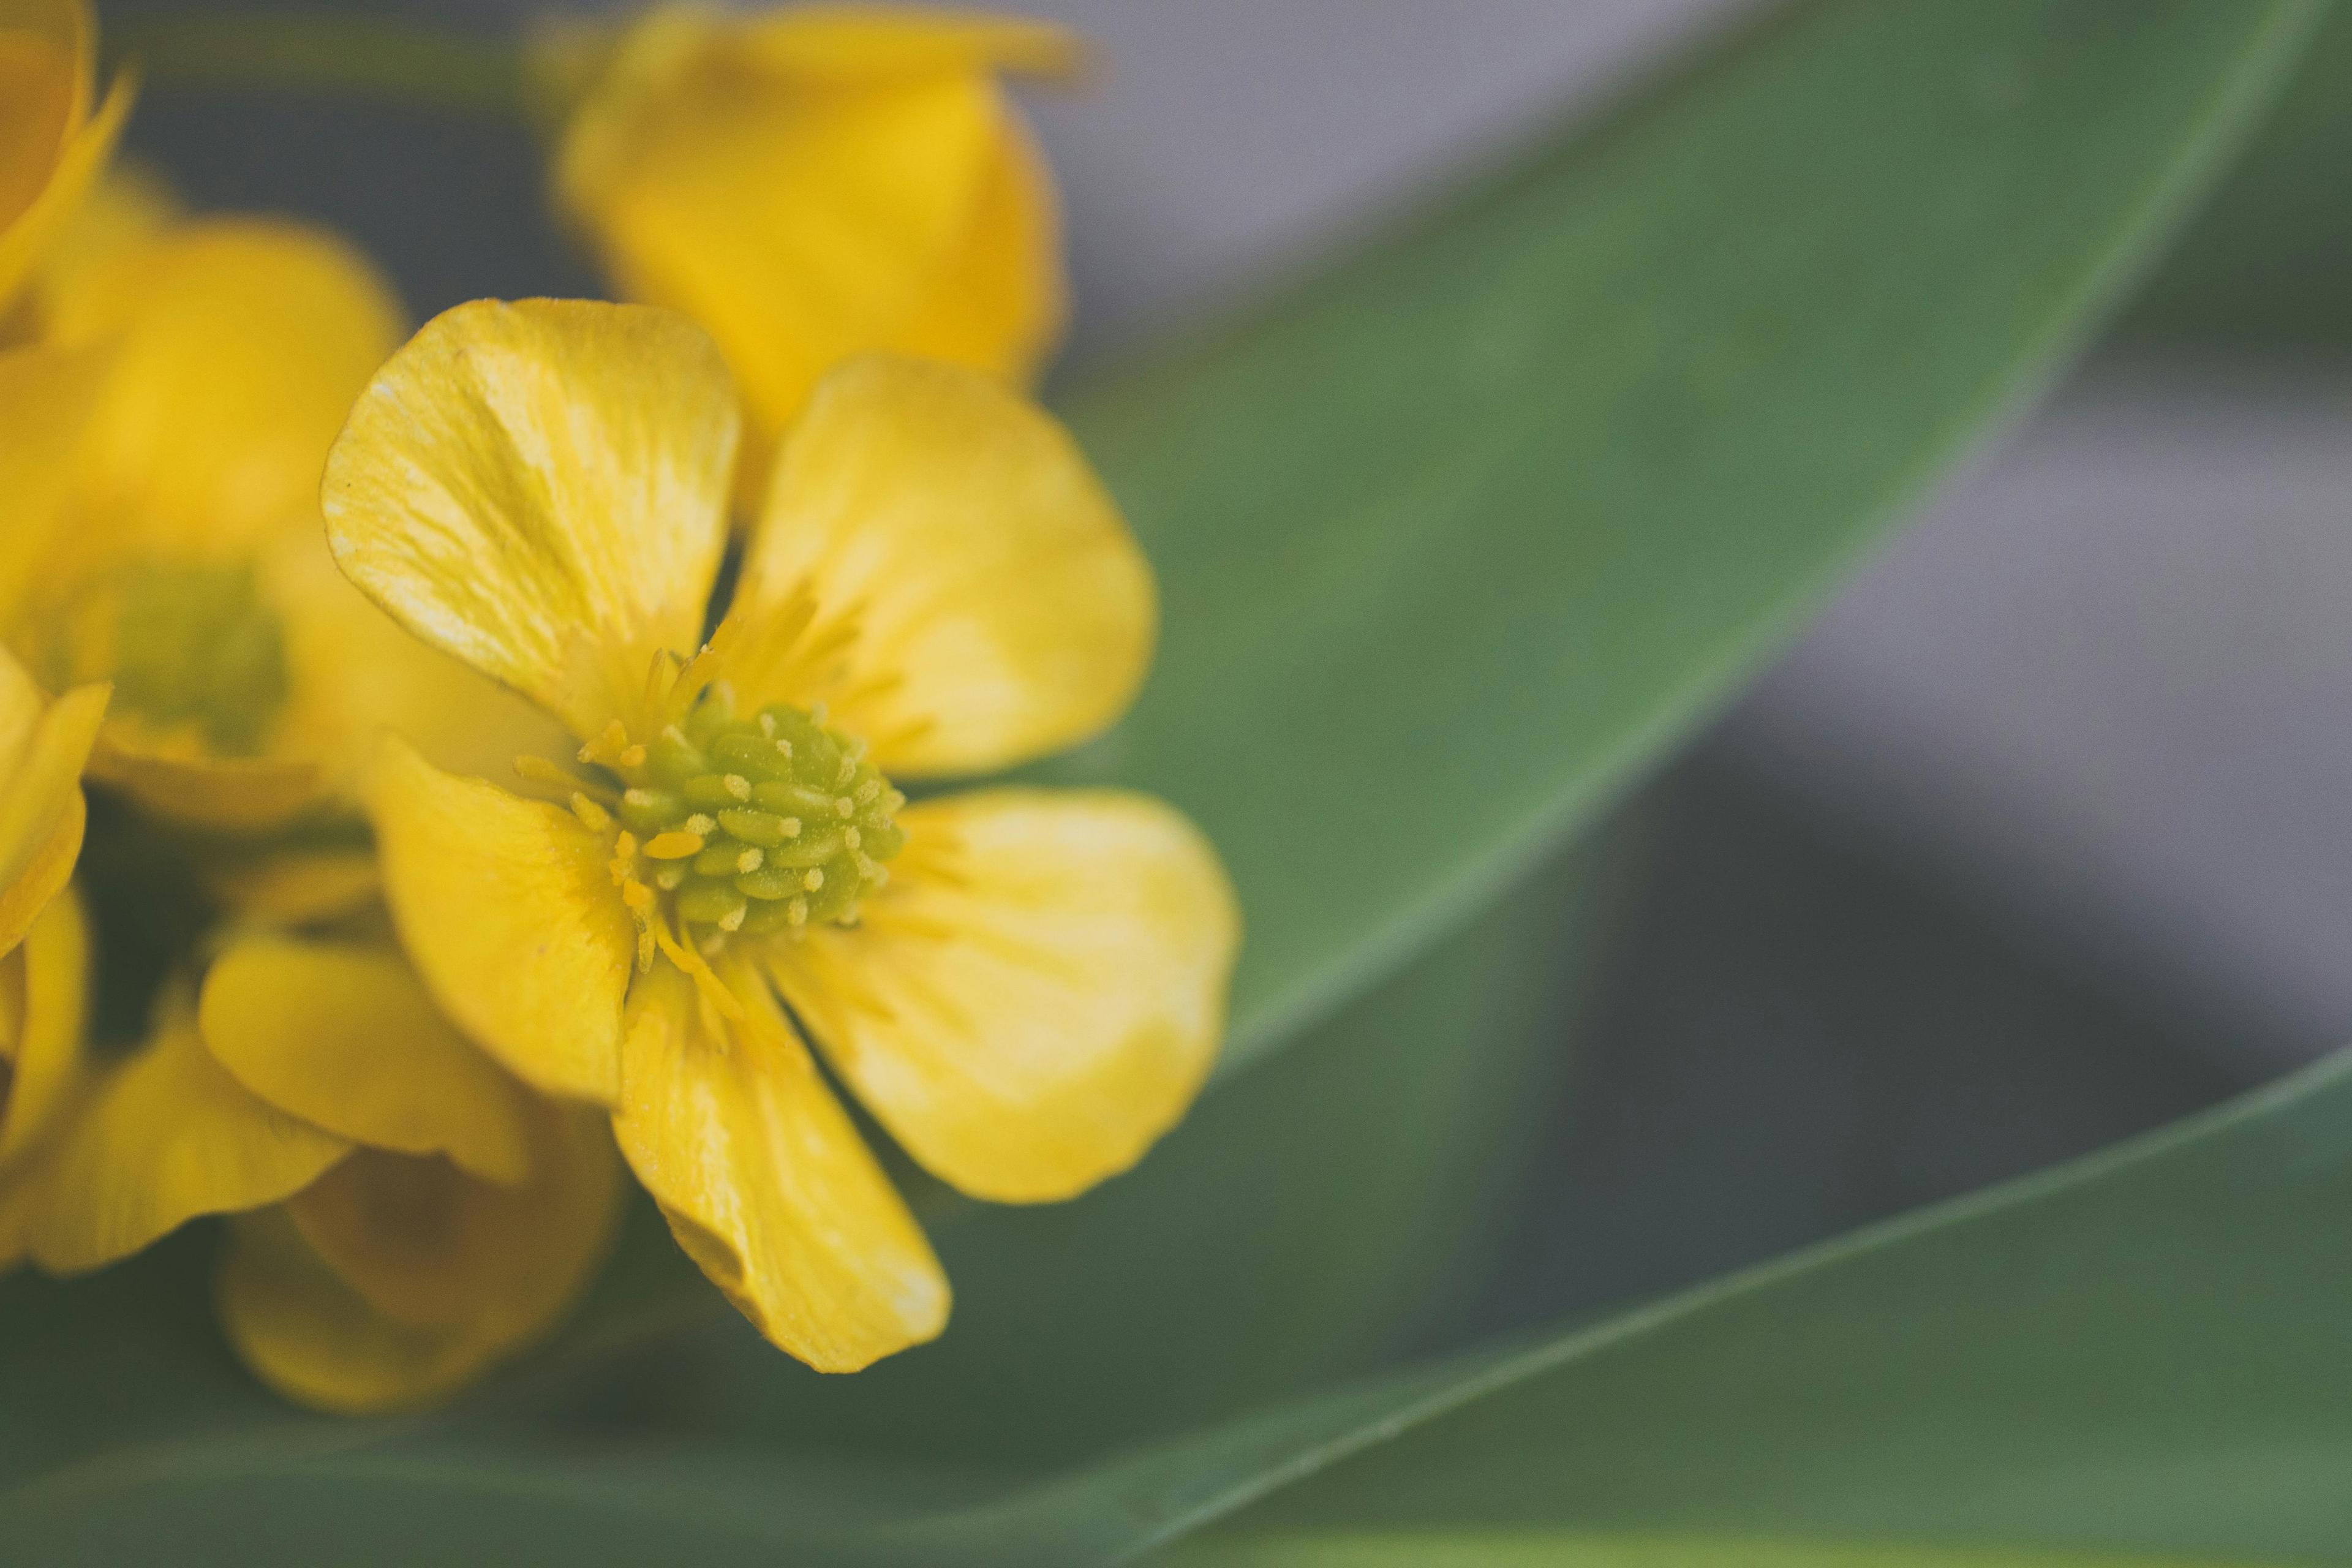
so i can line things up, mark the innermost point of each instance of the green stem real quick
(397, 61)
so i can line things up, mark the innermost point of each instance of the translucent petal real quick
(978, 599)
(540, 488)
(344, 1036)
(509, 912)
(765, 1181)
(1036, 995)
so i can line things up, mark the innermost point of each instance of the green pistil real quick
(760, 823)
(187, 645)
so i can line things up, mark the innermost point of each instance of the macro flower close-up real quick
(1024, 986)
(1336, 786)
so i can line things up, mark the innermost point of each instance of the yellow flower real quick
(815, 183)
(431, 1212)
(1024, 986)
(160, 446)
(53, 141)
(410, 1213)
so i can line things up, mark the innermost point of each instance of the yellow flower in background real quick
(431, 1214)
(409, 1212)
(1024, 986)
(54, 135)
(815, 182)
(161, 451)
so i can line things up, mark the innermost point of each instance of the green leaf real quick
(2268, 264)
(1546, 1551)
(1459, 535)
(2146, 1350)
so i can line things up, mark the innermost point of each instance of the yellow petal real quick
(299, 887)
(171, 776)
(48, 976)
(765, 1181)
(309, 1292)
(43, 745)
(127, 206)
(1038, 993)
(52, 147)
(49, 396)
(425, 1244)
(240, 344)
(999, 608)
(344, 1036)
(510, 913)
(540, 490)
(811, 185)
(354, 672)
(1001, 303)
(166, 1135)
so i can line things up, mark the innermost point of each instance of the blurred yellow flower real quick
(815, 182)
(161, 452)
(1025, 987)
(54, 138)
(410, 1213)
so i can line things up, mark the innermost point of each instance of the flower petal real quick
(49, 395)
(172, 778)
(48, 975)
(344, 1036)
(299, 887)
(540, 490)
(354, 672)
(166, 1135)
(1038, 994)
(510, 913)
(43, 746)
(54, 147)
(799, 190)
(312, 1294)
(425, 1245)
(999, 609)
(1002, 303)
(765, 1181)
(239, 344)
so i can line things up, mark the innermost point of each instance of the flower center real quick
(753, 824)
(188, 644)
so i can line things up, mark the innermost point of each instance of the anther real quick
(674, 846)
(594, 817)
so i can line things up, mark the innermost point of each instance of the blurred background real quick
(2036, 838)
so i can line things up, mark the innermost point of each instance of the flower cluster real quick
(725, 585)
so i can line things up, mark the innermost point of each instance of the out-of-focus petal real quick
(299, 887)
(344, 1036)
(165, 1135)
(43, 745)
(978, 599)
(815, 184)
(47, 982)
(354, 672)
(52, 147)
(509, 910)
(765, 1181)
(1036, 995)
(50, 397)
(239, 344)
(541, 489)
(175, 778)
(357, 1298)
